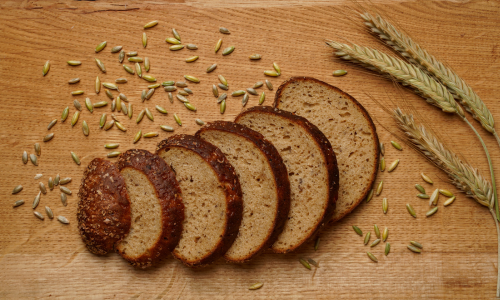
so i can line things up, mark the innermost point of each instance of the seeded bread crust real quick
(305, 80)
(168, 192)
(228, 179)
(328, 154)
(279, 171)
(104, 208)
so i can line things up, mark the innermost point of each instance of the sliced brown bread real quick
(264, 183)
(104, 208)
(312, 171)
(212, 198)
(156, 208)
(346, 124)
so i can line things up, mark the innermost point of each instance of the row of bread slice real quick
(275, 210)
(227, 191)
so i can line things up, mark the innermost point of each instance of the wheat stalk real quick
(462, 175)
(409, 75)
(418, 56)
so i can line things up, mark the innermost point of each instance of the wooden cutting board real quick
(46, 259)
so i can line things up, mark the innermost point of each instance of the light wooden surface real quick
(45, 259)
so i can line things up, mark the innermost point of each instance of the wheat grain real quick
(418, 56)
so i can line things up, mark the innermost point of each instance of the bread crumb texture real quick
(146, 226)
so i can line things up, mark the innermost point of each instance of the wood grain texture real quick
(45, 259)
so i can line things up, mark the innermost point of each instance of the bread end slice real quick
(157, 210)
(347, 125)
(104, 207)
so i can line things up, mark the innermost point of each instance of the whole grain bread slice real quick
(264, 183)
(104, 207)
(312, 170)
(212, 198)
(156, 207)
(347, 125)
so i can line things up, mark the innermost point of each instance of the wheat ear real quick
(462, 175)
(403, 72)
(418, 56)
(409, 75)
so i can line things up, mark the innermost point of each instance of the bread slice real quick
(264, 183)
(156, 208)
(312, 171)
(346, 124)
(104, 207)
(212, 198)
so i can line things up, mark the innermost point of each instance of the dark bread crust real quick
(168, 192)
(228, 180)
(277, 167)
(328, 155)
(104, 208)
(277, 101)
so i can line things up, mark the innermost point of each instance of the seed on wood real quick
(151, 24)
(120, 126)
(372, 257)
(211, 68)
(39, 215)
(36, 200)
(449, 201)
(370, 195)
(396, 145)
(176, 47)
(33, 159)
(38, 149)
(51, 124)
(410, 210)
(75, 158)
(108, 125)
(217, 47)
(101, 46)
(167, 128)
(17, 189)
(48, 137)
(269, 85)
(74, 80)
(357, 230)
(176, 34)
(74, 62)
(146, 64)
(113, 154)
(64, 199)
(136, 59)
(100, 65)
(64, 114)
(116, 49)
(46, 67)
(222, 107)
